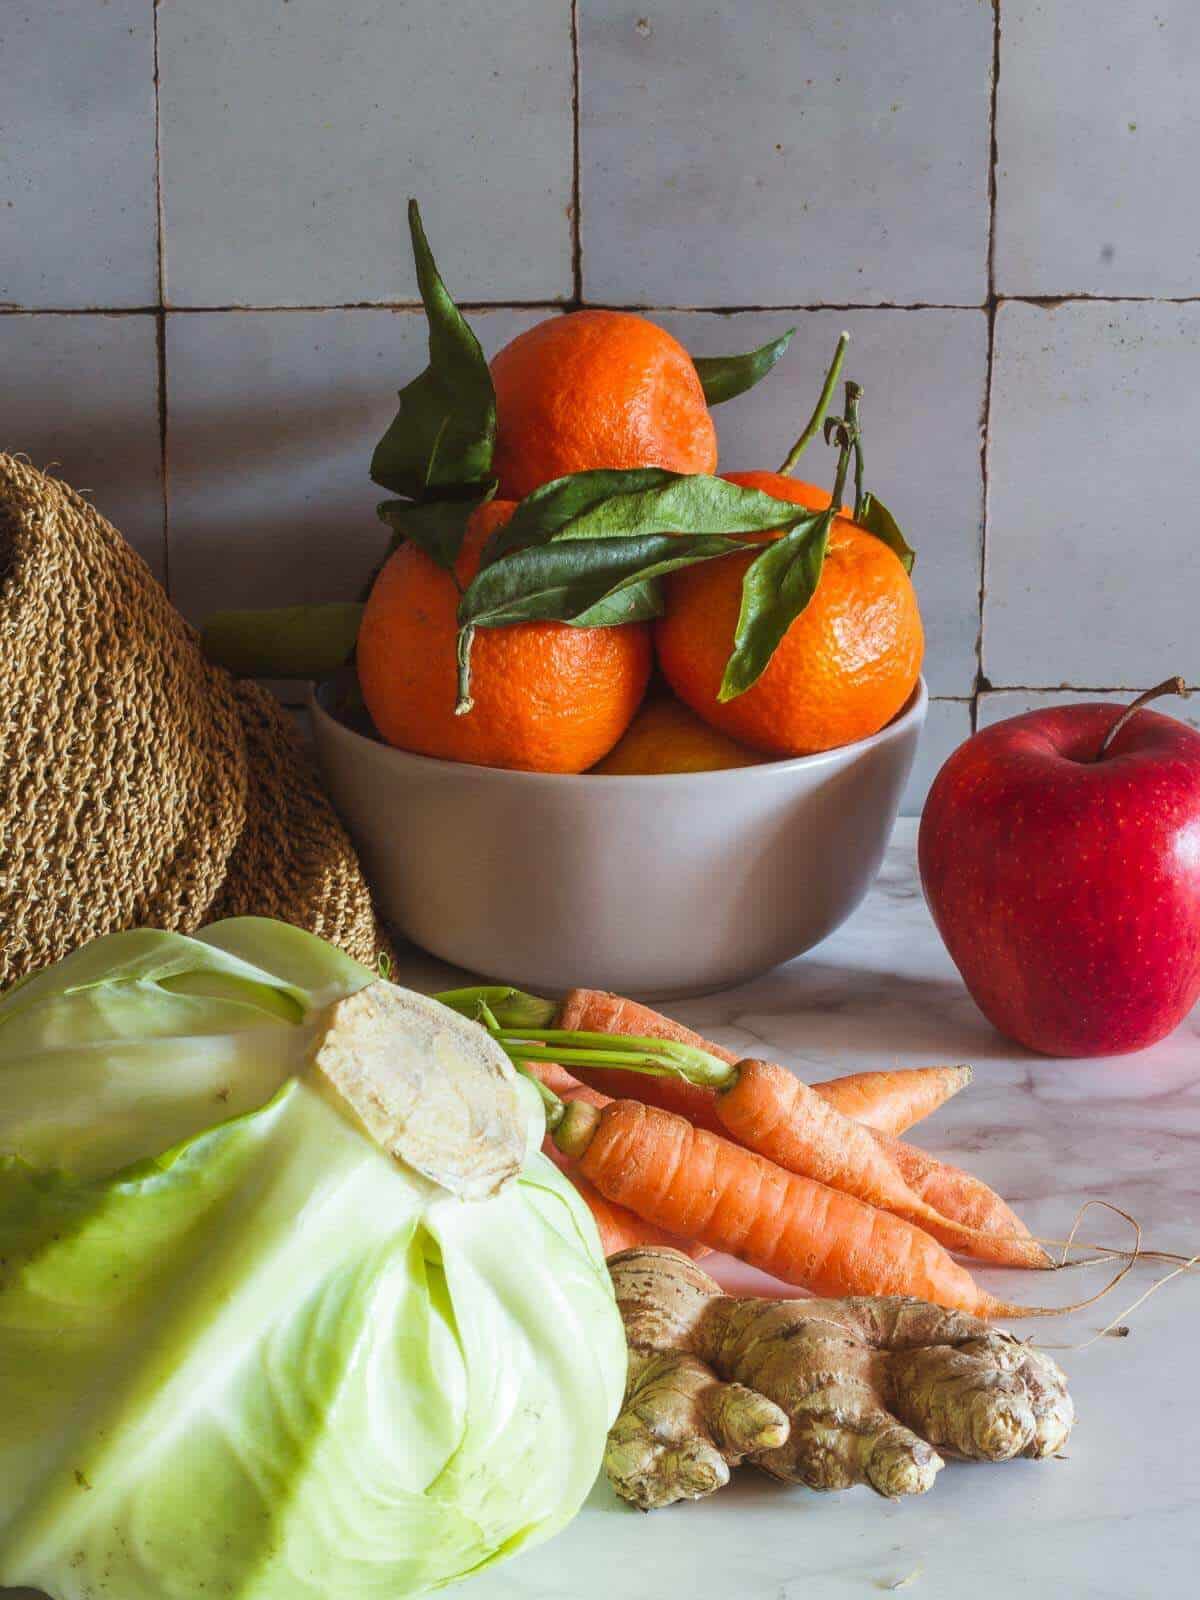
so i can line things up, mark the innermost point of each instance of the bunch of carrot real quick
(810, 1183)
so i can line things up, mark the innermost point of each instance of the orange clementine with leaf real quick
(547, 697)
(843, 669)
(597, 389)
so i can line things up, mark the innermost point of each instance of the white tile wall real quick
(294, 133)
(759, 152)
(704, 159)
(77, 178)
(79, 397)
(1098, 124)
(1093, 471)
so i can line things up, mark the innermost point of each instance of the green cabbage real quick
(242, 1351)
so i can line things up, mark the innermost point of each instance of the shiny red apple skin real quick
(1066, 888)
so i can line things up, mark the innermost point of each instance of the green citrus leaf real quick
(606, 505)
(288, 642)
(441, 440)
(435, 526)
(779, 583)
(577, 580)
(551, 509)
(877, 519)
(725, 377)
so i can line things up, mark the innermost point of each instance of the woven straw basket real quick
(140, 786)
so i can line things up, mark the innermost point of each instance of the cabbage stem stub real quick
(429, 1087)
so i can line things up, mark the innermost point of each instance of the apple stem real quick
(1167, 686)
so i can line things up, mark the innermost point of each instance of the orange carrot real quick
(619, 1228)
(697, 1184)
(957, 1196)
(893, 1101)
(596, 1011)
(769, 1110)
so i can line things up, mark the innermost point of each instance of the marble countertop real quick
(1120, 1517)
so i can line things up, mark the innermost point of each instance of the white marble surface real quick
(1121, 1517)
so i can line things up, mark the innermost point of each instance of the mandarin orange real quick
(844, 668)
(597, 389)
(666, 737)
(548, 697)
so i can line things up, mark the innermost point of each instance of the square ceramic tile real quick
(1098, 124)
(923, 374)
(995, 707)
(271, 420)
(946, 726)
(80, 397)
(1093, 474)
(78, 214)
(294, 134)
(757, 152)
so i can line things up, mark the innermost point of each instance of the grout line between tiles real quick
(1048, 302)
(985, 419)
(160, 322)
(1072, 688)
(576, 188)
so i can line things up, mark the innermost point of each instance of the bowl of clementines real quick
(606, 715)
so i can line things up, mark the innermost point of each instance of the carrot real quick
(596, 1011)
(619, 1228)
(956, 1195)
(697, 1184)
(893, 1101)
(769, 1110)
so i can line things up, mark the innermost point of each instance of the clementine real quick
(666, 737)
(548, 697)
(844, 668)
(597, 389)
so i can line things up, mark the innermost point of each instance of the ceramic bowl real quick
(661, 885)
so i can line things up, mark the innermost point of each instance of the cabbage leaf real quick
(242, 1350)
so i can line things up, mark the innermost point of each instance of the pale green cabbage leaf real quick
(243, 1352)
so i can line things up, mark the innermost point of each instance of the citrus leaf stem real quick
(813, 426)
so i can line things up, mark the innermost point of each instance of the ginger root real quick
(828, 1393)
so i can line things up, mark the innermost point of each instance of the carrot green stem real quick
(554, 1107)
(658, 1057)
(655, 1065)
(822, 406)
(576, 1127)
(510, 1008)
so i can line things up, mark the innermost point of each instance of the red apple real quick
(1063, 871)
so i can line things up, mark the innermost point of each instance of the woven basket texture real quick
(139, 785)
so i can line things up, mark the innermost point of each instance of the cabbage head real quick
(243, 1351)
